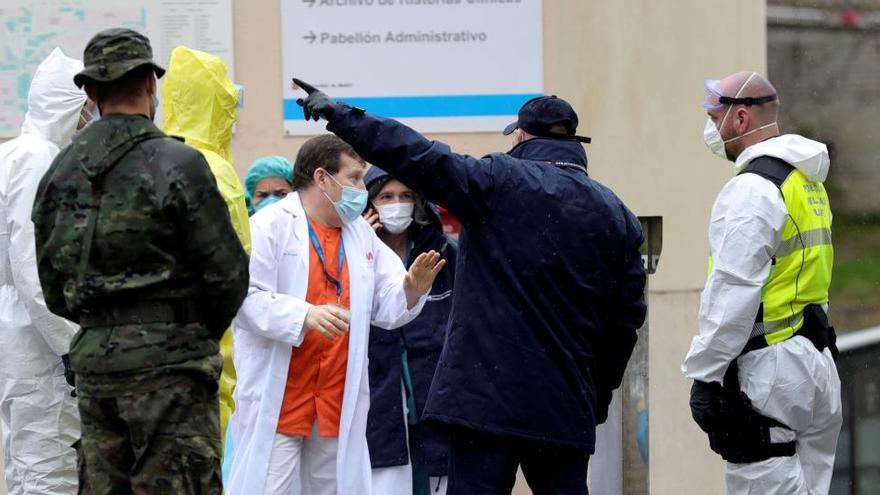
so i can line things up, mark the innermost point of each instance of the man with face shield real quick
(134, 243)
(408, 457)
(36, 405)
(319, 279)
(766, 390)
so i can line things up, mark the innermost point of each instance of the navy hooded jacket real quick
(423, 340)
(549, 287)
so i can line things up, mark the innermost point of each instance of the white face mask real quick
(714, 141)
(712, 133)
(712, 138)
(397, 217)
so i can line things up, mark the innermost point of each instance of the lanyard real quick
(337, 280)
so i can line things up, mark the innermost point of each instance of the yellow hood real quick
(199, 101)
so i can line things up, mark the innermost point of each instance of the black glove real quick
(69, 375)
(317, 104)
(708, 406)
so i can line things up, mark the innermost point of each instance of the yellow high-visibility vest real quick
(802, 264)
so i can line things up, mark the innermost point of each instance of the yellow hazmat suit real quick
(199, 104)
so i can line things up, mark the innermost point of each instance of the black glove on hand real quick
(317, 104)
(69, 375)
(708, 405)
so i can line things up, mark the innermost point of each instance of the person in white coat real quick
(39, 415)
(303, 395)
(766, 389)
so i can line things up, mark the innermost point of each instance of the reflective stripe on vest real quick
(801, 270)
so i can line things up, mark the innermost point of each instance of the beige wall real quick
(634, 71)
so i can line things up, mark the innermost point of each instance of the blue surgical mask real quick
(351, 204)
(268, 200)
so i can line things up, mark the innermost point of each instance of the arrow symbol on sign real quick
(310, 2)
(311, 37)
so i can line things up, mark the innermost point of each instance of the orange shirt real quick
(316, 376)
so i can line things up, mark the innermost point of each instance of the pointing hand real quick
(317, 104)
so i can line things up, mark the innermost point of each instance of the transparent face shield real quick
(715, 99)
(712, 99)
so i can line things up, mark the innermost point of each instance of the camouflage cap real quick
(113, 53)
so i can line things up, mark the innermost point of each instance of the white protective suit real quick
(40, 419)
(791, 381)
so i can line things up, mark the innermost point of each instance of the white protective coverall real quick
(791, 381)
(271, 322)
(40, 419)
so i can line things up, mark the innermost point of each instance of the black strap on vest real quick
(773, 169)
(816, 329)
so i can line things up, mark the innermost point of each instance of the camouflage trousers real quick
(161, 437)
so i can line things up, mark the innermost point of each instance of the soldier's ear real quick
(151, 84)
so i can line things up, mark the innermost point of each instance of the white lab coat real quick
(40, 420)
(270, 323)
(790, 381)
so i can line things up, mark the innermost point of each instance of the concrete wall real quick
(634, 71)
(826, 81)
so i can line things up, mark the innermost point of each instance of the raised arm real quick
(462, 184)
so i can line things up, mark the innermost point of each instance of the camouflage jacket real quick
(125, 215)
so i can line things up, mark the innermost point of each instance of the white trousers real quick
(40, 423)
(794, 384)
(302, 465)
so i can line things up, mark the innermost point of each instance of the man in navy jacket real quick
(549, 293)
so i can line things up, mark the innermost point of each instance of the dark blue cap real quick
(538, 115)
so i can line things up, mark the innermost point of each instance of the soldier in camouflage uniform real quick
(135, 244)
